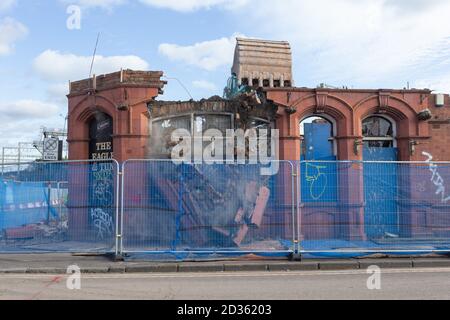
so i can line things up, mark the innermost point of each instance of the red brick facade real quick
(420, 216)
(348, 108)
(124, 96)
(439, 143)
(125, 100)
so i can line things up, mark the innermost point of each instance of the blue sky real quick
(354, 43)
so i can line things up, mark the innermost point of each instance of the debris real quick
(260, 207)
(23, 233)
(36, 231)
(211, 205)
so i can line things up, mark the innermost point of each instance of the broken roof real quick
(123, 78)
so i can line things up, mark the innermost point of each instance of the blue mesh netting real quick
(24, 203)
(188, 209)
(185, 212)
(375, 207)
(58, 207)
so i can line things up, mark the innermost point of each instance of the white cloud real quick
(11, 31)
(176, 5)
(56, 66)
(22, 120)
(58, 89)
(29, 109)
(104, 4)
(208, 55)
(439, 84)
(193, 5)
(204, 85)
(57, 92)
(350, 42)
(26, 130)
(7, 4)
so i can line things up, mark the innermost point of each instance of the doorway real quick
(101, 177)
(380, 177)
(318, 156)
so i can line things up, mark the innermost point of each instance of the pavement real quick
(58, 264)
(398, 284)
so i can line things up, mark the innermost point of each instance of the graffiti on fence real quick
(421, 186)
(103, 222)
(317, 179)
(437, 179)
(102, 199)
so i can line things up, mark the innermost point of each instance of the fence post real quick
(119, 210)
(49, 201)
(58, 186)
(180, 208)
(295, 173)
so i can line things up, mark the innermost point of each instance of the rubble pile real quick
(215, 205)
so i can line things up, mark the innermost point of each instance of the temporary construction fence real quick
(167, 210)
(69, 206)
(358, 208)
(189, 211)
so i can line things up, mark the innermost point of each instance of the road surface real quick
(395, 284)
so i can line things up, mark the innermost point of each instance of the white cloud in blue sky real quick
(357, 43)
(7, 4)
(53, 65)
(192, 5)
(204, 85)
(10, 32)
(105, 4)
(28, 109)
(208, 55)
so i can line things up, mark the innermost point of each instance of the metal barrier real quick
(69, 206)
(187, 211)
(357, 208)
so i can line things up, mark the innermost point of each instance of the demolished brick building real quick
(315, 124)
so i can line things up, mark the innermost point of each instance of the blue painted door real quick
(380, 191)
(319, 179)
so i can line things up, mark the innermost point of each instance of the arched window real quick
(318, 155)
(378, 132)
(318, 138)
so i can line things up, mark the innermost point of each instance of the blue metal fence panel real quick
(381, 191)
(318, 178)
(381, 207)
(186, 211)
(23, 203)
(203, 208)
(58, 207)
(319, 181)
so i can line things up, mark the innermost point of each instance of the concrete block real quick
(13, 270)
(95, 269)
(47, 270)
(245, 267)
(386, 264)
(431, 263)
(117, 269)
(152, 268)
(200, 268)
(293, 266)
(339, 265)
